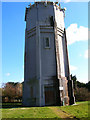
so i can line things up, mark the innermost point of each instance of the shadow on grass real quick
(16, 105)
(11, 105)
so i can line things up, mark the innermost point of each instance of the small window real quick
(47, 42)
(51, 21)
(31, 91)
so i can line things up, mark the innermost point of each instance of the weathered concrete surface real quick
(46, 72)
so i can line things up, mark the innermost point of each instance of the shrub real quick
(82, 94)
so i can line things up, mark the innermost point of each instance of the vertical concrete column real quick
(57, 51)
(70, 82)
(38, 59)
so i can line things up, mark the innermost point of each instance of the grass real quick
(79, 111)
(28, 112)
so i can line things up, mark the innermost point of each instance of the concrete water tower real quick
(46, 66)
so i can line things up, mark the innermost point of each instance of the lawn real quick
(33, 112)
(76, 112)
(81, 110)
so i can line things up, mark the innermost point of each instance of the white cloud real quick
(66, 1)
(75, 34)
(22, 80)
(73, 68)
(7, 74)
(83, 80)
(86, 54)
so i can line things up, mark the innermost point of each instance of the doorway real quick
(49, 95)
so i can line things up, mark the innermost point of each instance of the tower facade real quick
(46, 66)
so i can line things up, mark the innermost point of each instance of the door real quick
(49, 96)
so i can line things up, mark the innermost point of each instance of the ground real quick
(73, 112)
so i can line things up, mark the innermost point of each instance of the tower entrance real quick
(49, 95)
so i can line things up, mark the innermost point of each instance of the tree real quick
(81, 90)
(74, 81)
(12, 91)
(82, 94)
(9, 91)
(88, 85)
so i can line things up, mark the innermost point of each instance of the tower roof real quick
(46, 3)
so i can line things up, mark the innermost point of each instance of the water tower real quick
(46, 66)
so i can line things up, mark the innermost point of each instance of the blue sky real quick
(13, 39)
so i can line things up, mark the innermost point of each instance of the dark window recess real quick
(47, 42)
(31, 91)
(51, 21)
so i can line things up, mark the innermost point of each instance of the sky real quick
(13, 39)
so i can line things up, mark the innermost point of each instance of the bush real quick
(82, 94)
(12, 92)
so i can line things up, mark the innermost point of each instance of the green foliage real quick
(11, 105)
(81, 90)
(82, 94)
(78, 84)
(88, 85)
(74, 81)
(0, 91)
